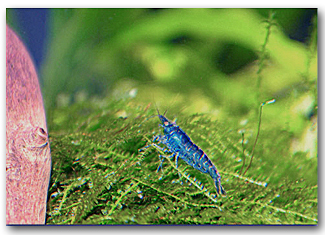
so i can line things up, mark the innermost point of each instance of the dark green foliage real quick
(210, 51)
(100, 177)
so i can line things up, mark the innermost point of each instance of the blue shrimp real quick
(180, 145)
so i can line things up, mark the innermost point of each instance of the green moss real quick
(100, 177)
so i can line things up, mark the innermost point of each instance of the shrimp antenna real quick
(152, 115)
(156, 107)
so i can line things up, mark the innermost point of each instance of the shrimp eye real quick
(166, 123)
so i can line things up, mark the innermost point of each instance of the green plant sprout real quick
(263, 54)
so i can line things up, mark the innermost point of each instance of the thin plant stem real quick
(244, 157)
(270, 23)
(258, 132)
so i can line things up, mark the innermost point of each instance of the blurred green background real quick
(223, 62)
